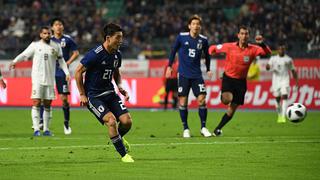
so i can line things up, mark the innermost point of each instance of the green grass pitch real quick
(254, 146)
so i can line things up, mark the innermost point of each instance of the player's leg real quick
(41, 116)
(284, 91)
(48, 96)
(98, 107)
(183, 92)
(124, 125)
(166, 96)
(199, 90)
(63, 91)
(35, 115)
(37, 94)
(174, 93)
(47, 116)
(225, 119)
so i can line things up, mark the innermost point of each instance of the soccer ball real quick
(296, 112)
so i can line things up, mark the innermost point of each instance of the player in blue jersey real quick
(70, 53)
(190, 46)
(100, 66)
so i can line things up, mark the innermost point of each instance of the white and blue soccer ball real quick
(296, 112)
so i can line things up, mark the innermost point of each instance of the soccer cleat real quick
(126, 144)
(186, 133)
(36, 133)
(67, 131)
(205, 132)
(127, 159)
(47, 133)
(217, 132)
(281, 119)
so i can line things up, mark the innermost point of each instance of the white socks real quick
(47, 115)
(35, 114)
(278, 108)
(284, 107)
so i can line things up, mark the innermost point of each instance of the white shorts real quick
(280, 90)
(42, 92)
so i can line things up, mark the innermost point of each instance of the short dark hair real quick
(56, 19)
(110, 29)
(195, 17)
(43, 27)
(242, 27)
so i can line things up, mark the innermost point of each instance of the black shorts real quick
(62, 85)
(238, 88)
(172, 85)
(197, 85)
(100, 106)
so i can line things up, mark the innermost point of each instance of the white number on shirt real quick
(107, 74)
(192, 53)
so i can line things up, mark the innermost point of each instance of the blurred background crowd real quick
(152, 25)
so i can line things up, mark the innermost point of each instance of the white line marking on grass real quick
(159, 144)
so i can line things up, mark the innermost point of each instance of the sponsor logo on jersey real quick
(186, 43)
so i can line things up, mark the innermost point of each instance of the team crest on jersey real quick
(199, 45)
(63, 42)
(115, 63)
(246, 58)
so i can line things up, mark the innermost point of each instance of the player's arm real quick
(75, 52)
(2, 83)
(117, 80)
(172, 56)
(294, 73)
(73, 57)
(207, 59)
(27, 53)
(218, 49)
(63, 64)
(79, 80)
(266, 51)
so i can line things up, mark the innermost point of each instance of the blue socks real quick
(118, 144)
(66, 114)
(183, 110)
(203, 115)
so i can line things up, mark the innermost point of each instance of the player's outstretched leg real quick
(115, 137)
(225, 119)
(123, 128)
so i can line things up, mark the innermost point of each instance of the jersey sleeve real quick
(217, 49)
(206, 54)
(89, 59)
(291, 65)
(27, 53)
(73, 45)
(174, 50)
(262, 50)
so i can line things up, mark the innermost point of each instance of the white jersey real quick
(45, 57)
(280, 67)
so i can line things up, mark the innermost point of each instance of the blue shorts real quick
(197, 85)
(100, 106)
(62, 85)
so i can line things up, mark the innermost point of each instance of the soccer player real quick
(239, 56)
(2, 83)
(45, 53)
(190, 46)
(68, 47)
(101, 65)
(280, 65)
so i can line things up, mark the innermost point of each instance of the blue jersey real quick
(100, 67)
(190, 50)
(67, 45)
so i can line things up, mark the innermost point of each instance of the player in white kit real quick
(280, 65)
(45, 55)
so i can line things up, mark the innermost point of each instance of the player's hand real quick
(83, 100)
(124, 93)
(12, 65)
(210, 74)
(2, 84)
(168, 72)
(68, 78)
(259, 39)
